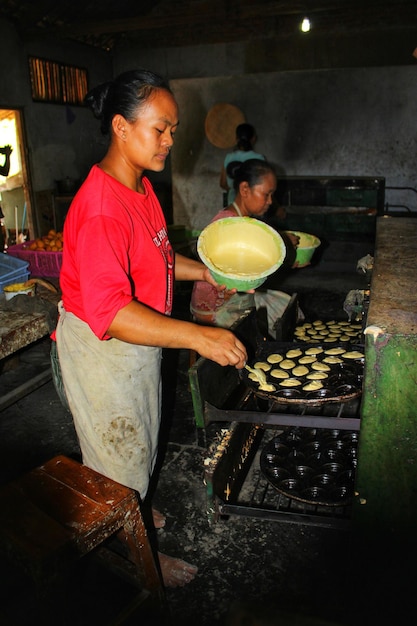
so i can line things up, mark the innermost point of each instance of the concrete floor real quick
(251, 572)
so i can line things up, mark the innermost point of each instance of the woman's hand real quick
(228, 292)
(221, 346)
(294, 239)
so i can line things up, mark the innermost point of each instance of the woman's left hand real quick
(209, 279)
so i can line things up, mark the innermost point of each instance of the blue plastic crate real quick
(12, 270)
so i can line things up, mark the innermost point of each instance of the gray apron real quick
(113, 390)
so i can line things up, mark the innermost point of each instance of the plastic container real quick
(16, 289)
(41, 263)
(305, 249)
(12, 270)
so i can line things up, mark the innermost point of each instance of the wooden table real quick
(17, 332)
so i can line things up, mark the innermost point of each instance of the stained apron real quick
(113, 390)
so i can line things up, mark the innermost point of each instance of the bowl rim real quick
(244, 277)
(303, 232)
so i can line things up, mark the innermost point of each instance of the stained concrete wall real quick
(356, 115)
(341, 122)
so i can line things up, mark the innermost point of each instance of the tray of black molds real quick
(314, 466)
(298, 373)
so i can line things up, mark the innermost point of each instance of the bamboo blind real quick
(57, 82)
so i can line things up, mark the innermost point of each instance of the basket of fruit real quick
(43, 254)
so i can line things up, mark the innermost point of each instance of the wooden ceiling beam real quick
(222, 12)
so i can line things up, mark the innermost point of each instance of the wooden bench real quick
(61, 511)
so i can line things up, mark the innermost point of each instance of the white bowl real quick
(10, 291)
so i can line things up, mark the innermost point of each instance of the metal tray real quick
(314, 466)
(344, 381)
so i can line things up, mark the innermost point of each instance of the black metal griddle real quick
(344, 380)
(235, 472)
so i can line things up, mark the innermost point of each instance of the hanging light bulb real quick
(305, 25)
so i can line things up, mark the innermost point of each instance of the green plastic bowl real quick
(241, 252)
(306, 247)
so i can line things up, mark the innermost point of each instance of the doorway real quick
(15, 189)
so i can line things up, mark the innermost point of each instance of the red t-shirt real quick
(116, 250)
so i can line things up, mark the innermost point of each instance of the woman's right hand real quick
(220, 345)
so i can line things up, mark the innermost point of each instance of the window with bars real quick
(57, 83)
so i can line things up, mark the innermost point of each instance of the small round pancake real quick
(262, 365)
(274, 358)
(292, 354)
(332, 359)
(307, 359)
(335, 351)
(317, 376)
(315, 385)
(290, 382)
(316, 350)
(287, 364)
(353, 355)
(320, 367)
(279, 373)
(300, 370)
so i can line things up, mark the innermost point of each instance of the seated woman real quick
(255, 183)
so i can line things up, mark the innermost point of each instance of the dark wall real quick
(61, 140)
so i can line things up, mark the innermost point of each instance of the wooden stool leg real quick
(134, 535)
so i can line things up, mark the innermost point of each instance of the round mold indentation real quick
(280, 449)
(290, 484)
(333, 468)
(293, 437)
(351, 452)
(290, 393)
(346, 477)
(333, 456)
(310, 433)
(340, 494)
(333, 433)
(315, 459)
(324, 393)
(344, 390)
(278, 473)
(272, 459)
(351, 438)
(336, 444)
(303, 471)
(312, 494)
(296, 456)
(311, 447)
(322, 480)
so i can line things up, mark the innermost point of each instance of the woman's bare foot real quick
(159, 518)
(176, 572)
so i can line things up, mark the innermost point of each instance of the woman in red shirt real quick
(117, 286)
